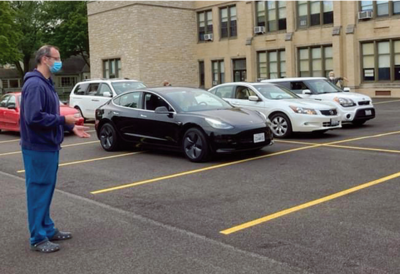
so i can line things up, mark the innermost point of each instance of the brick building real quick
(203, 43)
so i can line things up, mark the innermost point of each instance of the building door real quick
(239, 70)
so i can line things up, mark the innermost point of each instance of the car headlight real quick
(77, 115)
(344, 102)
(218, 124)
(301, 110)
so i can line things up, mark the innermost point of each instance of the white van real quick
(88, 95)
(354, 107)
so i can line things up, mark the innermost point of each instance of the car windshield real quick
(121, 87)
(196, 100)
(321, 86)
(275, 93)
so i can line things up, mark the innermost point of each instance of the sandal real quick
(45, 246)
(60, 236)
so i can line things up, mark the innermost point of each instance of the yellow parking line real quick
(198, 170)
(92, 160)
(345, 147)
(365, 137)
(10, 153)
(80, 144)
(70, 145)
(308, 204)
(294, 142)
(385, 102)
(231, 163)
(9, 141)
(365, 148)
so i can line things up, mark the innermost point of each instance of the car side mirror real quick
(306, 91)
(107, 94)
(346, 89)
(11, 106)
(161, 110)
(254, 98)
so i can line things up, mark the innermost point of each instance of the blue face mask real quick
(56, 67)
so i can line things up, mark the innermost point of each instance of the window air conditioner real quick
(259, 30)
(208, 37)
(362, 15)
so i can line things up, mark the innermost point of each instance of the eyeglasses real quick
(55, 58)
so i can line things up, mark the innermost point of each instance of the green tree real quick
(29, 22)
(10, 34)
(67, 27)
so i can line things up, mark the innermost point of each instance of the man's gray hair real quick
(43, 51)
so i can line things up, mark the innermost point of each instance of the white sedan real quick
(287, 111)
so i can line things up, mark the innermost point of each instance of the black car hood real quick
(233, 116)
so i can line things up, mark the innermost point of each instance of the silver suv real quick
(88, 95)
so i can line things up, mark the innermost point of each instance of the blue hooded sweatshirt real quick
(42, 127)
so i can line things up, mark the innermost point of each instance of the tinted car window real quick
(4, 99)
(224, 92)
(283, 84)
(130, 100)
(298, 87)
(92, 90)
(196, 100)
(81, 89)
(152, 101)
(243, 92)
(121, 87)
(11, 101)
(103, 88)
(275, 92)
(322, 86)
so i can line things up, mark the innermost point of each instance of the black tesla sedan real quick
(190, 120)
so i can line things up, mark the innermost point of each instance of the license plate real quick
(259, 137)
(368, 112)
(334, 122)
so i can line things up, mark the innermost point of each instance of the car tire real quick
(80, 111)
(195, 145)
(358, 122)
(108, 137)
(281, 125)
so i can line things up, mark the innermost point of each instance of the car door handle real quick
(95, 100)
(116, 113)
(142, 115)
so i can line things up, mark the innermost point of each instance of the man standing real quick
(42, 132)
(334, 80)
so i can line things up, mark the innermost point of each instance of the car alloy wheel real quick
(281, 126)
(108, 137)
(195, 145)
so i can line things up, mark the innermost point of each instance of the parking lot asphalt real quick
(308, 204)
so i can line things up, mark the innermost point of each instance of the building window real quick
(218, 72)
(239, 70)
(273, 12)
(112, 68)
(271, 64)
(68, 81)
(381, 8)
(381, 60)
(201, 74)
(315, 61)
(314, 13)
(5, 83)
(14, 83)
(228, 22)
(396, 48)
(205, 24)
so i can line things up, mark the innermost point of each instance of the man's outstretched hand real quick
(80, 131)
